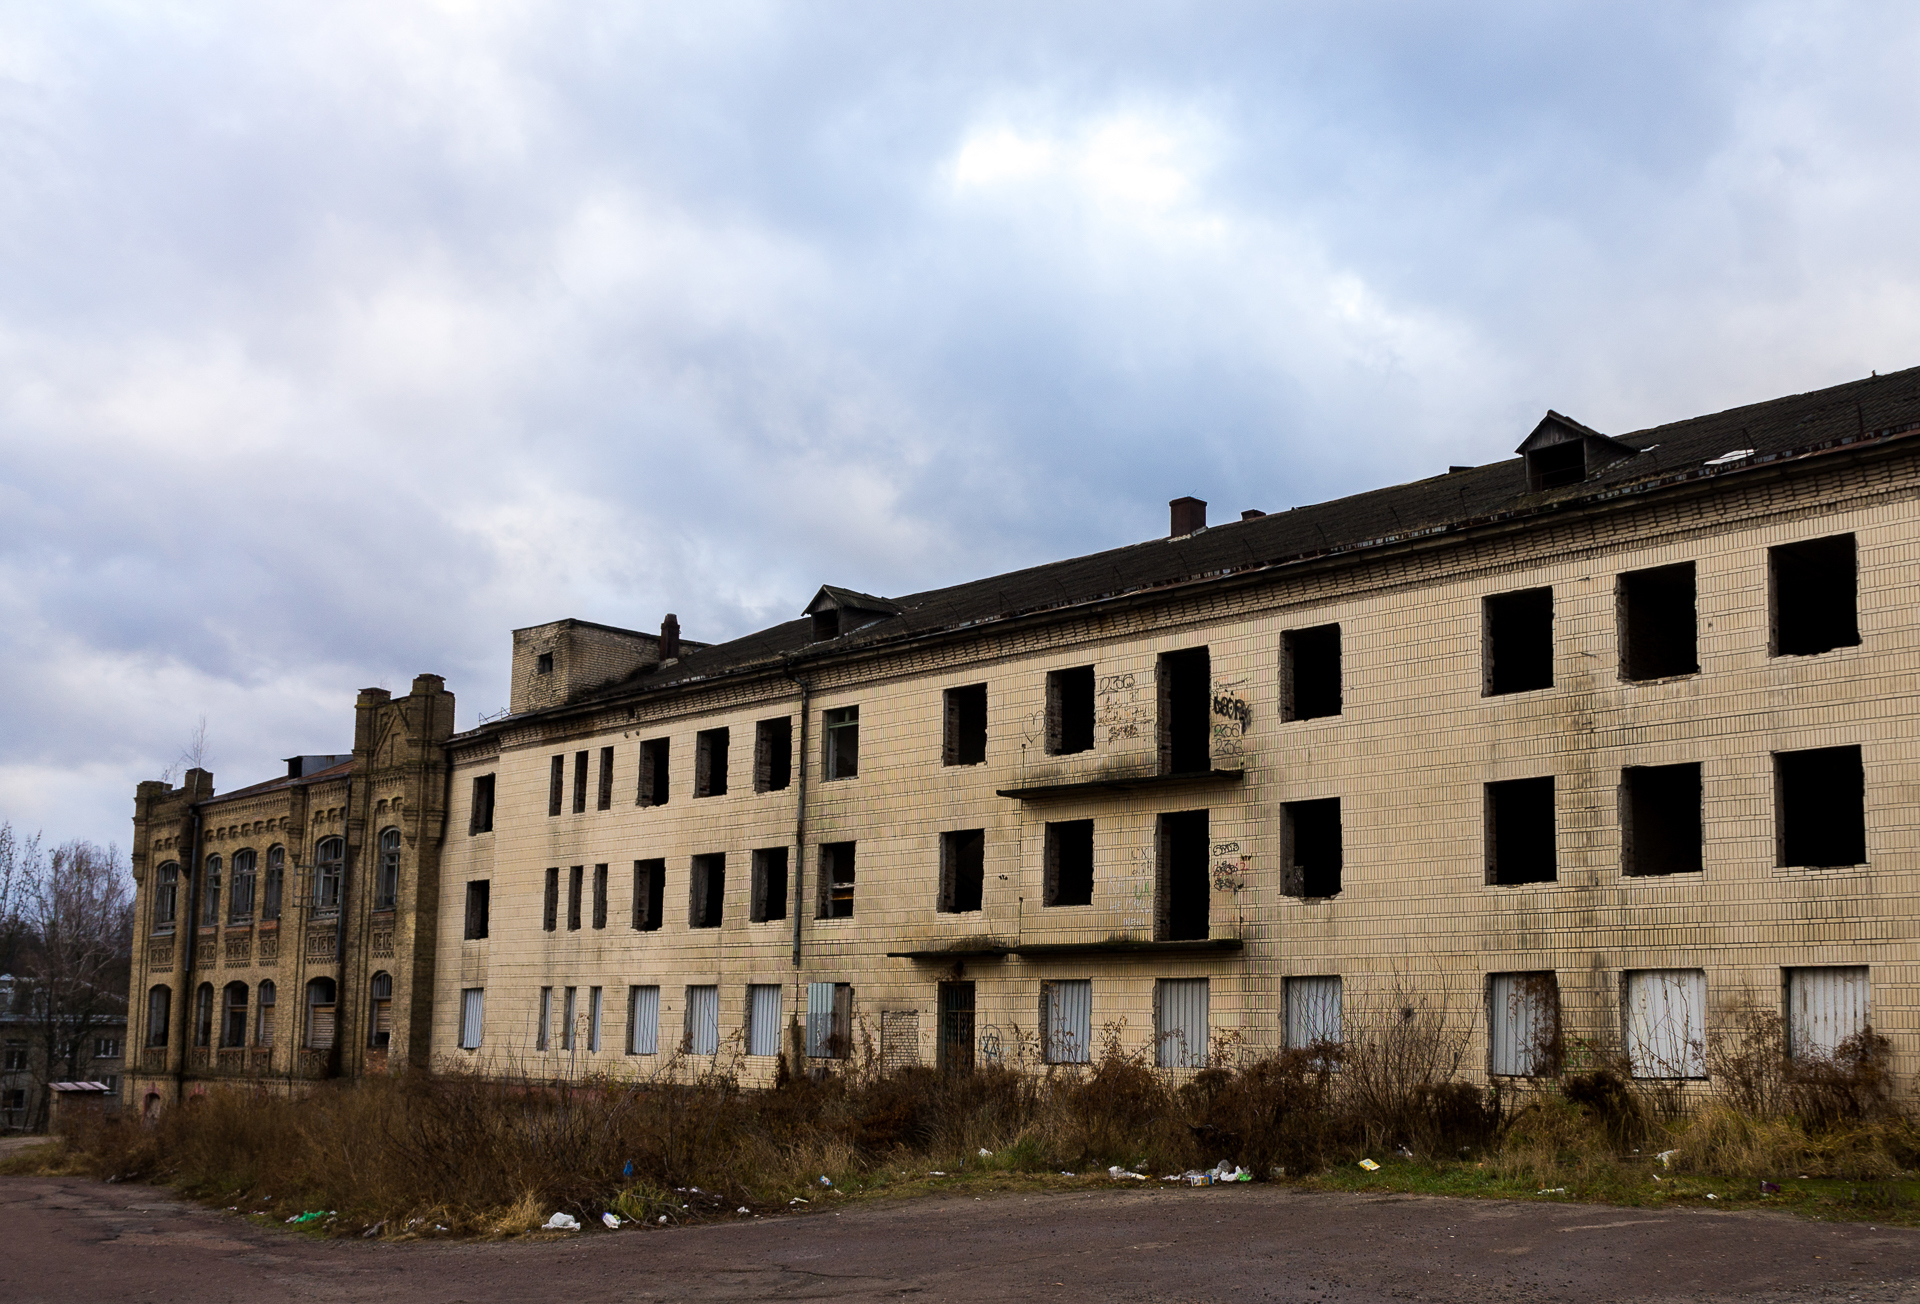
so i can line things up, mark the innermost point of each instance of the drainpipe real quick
(337, 1058)
(797, 897)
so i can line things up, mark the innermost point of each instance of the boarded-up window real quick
(643, 1020)
(1523, 1024)
(320, 1020)
(703, 1021)
(829, 1020)
(263, 1032)
(543, 1031)
(1180, 1023)
(1066, 1021)
(1313, 1011)
(1824, 1008)
(763, 1019)
(473, 1007)
(569, 1011)
(899, 1040)
(1666, 1022)
(380, 1016)
(594, 1011)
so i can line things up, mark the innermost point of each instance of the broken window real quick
(380, 1012)
(276, 878)
(479, 893)
(473, 1006)
(329, 860)
(1815, 596)
(1182, 893)
(1523, 1024)
(1658, 624)
(1070, 711)
(1310, 673)
(569, 1005)
(1518, 642)
(159, 1014)
(579, 782)
(1660, 820)
(653, 773)
(709, 890)
(1066, 1021)
(1180, 1023)
(16, 1058)
(1186, 712)
(703, 1021)
(1313, 1011)
(769, 895)
(1825, 1009)
(556, 784)
(1310, 848)
(773, 754)
(1820, 807)
(1666, 1022)
(964, 739)
(710, 763)
(1520, 832)
(386, 883)
(166, 897)
(604, 800)
(550, 913)
(599, 896)
(320, 1020)
(1069, 864)
(963, 870)
(240, 894)
(576, 877)
(543, 1031)
(233, 1016)
(649, 893)
(763, 1019)
(836, 880)
(829, 1020)
(842, 742)
(643, 1020)
(480, 818)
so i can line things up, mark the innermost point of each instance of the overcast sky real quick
(337, 340)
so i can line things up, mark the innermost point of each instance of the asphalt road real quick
(65, 1239)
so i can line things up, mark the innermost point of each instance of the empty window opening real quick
(773, 754)
(963, 870)
(599, 896)
(320, 1020)
(653, 773)
(1069, 865)
(380, 1012)
(836, 880)
(1182, 893)
(1820, 807)
(1520, 832)
(965, 737)
(829, 1020)
(1518, 641)
(1665, 1016)
(1815, 596)
(479, 894)
(1066, 1021)
(1660, 820)
(1180, 1015)
(576, 880)
(569, 1012)
(649, 893)
(1313, 1011)
(842, 742)
(1826, 1010)
(550, 908)
(480, 818)
(233, 1015)
(710, 763)
(556, 784)
(769, 895)
(763, 1019)
(1523, 1024)
(473, 1009)
(1186, 712)
(702, 1035)
(386, 883)
(543, 664)
(1310, 673)
(709, 890)
(1310, 848)
(826, 625)
(1658, 623)
(643, 1020)
(580, 782)
(543, 1031)
(1070, 711)
(1556, 465)
(604, 798)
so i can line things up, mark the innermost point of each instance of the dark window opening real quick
(550, 909)
(1069, 864)
(386, 883)
(1186, 719)
(710, 763)
(599, 896)
(479, 894)
(773, 754)
(1557, 464)
(709, 890)
(769, 895)
(233, 1015)
(1183, 891)
(1658, 625)
(1519, 641)
(579, 782)
(1070, 711)
(1820, 800)
(1311, 848)
(605, 796)
(826, 624)
(1660, 820)
(576, 878)
(1815, 596)
(480, 819)
(543, 664)
(965, 736)
(380, 1013)
(649, 893)
(653, 772)
(1310, 675)
(1520, 832)
(963, 871)
(556, 785)
(842, 742)
(836, 880)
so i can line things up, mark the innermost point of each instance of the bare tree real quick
(17, 859)
(193, 756)
(78, 911)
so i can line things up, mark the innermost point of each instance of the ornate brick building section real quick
(276, 928)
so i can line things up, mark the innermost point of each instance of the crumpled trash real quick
(628, 1170)
(743, 1209)
(1551, 1190)
(1226, 1172)
(985, 1153)
(935, 1172)
(824, 1181)
(561, 1222)
(1118, 1172)
(1666, 1158)
(663, 1220)
(612, 1220)
(1712, 1196)
(1369, 1165)
(310, 1216)
(1404, 1152)
(1768, 1188)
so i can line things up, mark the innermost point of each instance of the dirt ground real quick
(69, 1239)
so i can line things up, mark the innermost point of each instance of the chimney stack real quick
(670, 638)
(1189, 514)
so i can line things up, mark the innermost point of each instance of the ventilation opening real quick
(1551, 467)
(1519, 641)
(1311, 675)
(1070, 711)
(1658, 625)
(1821, 800)
(709, 890)
(1185, 719)
(1815, 602)
(963, 870)
(1069, 869)
(965, 734)
(1182, 899)
(1520, 832)
(653, 772)
(1310, 831)
(1660, 820)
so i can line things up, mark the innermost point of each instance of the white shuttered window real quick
(1523, 1023)
(1066, 1013)
(1313, 1011)
(703, 1020)
(643, 1021)
(1666, 1020)
(593, 1019)
(763, 1020)
(1824, 1008)
(473, 1004)
(1180, 1023)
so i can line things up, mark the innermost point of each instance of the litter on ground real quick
(1666, 1158)
(612, 1220)
(1369, 1165)
(311, 1215)
(561, 1222)
(1118, 1172)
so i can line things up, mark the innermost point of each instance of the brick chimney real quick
(670, 638)
(1189, 514)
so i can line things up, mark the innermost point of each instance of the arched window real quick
(210, 893)
(386, 887)
(263, 1034)
(328, 860)
(166, 897)
(159, 1014)
(240, 891)
(320, 1014)
(233, 1018)
(380, 1020)
(203, 1015)
(276, 876)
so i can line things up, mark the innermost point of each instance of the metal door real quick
(956, 1027)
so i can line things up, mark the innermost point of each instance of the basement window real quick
(479, 894)
(767, 897)
(480, 818)
(576, 881)
(556, 784)
(649, 893)
(963, 871)
(773, 754)
(1069, 864)
(579, 782)
(836, 880)
(1658, 624)
(1820, 807)
(1518, 642)
(1070, 711)
(1815, 591)
(964, 740)
(709, 881)
(605, 797)
(1186, 720)
(1182, 893)
(1310, 848)
(1660, 820)
(841, 727)
(653, 772)
(1310, 673)
(710, 763)
(1520, 833)
(550, 907)
(599, 896)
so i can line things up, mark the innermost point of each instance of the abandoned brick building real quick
(1614, 738)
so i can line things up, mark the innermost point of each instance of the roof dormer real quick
(1561, 451)
(838, 611)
